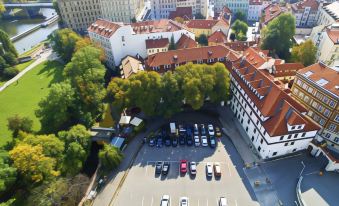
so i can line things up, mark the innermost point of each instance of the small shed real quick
(124, 120)
(136, 121)
(118, 142)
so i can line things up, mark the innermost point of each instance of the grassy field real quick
(23, 97)
(20, 67)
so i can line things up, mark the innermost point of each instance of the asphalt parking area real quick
(143, 187)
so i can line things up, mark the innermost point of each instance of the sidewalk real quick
(117, 177)
(237, 135)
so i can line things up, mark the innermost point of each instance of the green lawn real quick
(23, 98)
(20, 67)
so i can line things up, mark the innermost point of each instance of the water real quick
(15, 27)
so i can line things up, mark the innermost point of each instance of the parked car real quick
(210, 129)
(222, 201)
(196, 141)
(202, 130)
(183, 166)
(193, 168)
(204, 141)
(189, 140)
(196, 129)
(167, 141)
(158, 167)
(182, 129)
(159, 141)
(209, 169)
(218, 132)
(213, 143)
(165, 168)
(184, 201)
(217, 169)
(182, 140)
(151, 141)
(174, 141)
(165, 200)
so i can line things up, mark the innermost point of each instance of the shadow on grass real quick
(54, 69)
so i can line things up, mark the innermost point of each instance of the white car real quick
(204, 142)
(210, 130)
(209, 169)
(196, 141)
(165, 200)
(184, 201)
(222, 201)
(193, 168)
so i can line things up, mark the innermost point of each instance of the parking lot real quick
(143, 187)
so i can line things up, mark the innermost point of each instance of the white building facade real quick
(130, 39)
(305, 13)
(121, 10)
(328, 14)
(161, 9)
(233, 5)
(255, 9)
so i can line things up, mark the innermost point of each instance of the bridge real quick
(28, 5)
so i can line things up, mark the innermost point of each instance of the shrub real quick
(10, 72)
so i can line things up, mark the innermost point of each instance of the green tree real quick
(79, 134)
(74, 159)
(239, 15)
(277, 35)
(7, 46)
(304, 53)
(32, 164)
(17, 123)
(2, 7)
(110, 157)
(8, 174)
(54, 115)
(221, 89)
(202, 40)
(10, 58)
(118, 93)
(63, 43)
(9, 202)
(240, 29)
(172, 45)
(86, 75)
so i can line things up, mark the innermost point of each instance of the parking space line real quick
(198, 203)
(152, 201)
(207, 202)
(229, 169)
(142, 202)
(236, 202)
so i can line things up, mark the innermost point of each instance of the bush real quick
(10, 72)
(10, 59)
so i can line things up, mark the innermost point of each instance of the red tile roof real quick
(240, 45)
(201, 24)
(157, 43)
(103, 28)
(333, 34)
(186, 42)
(306, 3)
(162, 25)
(190, 55)
(288, 69)
(274, 103)
(183, 12)
(271, 12)
(217, 37)
(321, 71)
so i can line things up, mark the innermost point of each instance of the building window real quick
(336, 139)
(252, 138)
(289, 136)
(296, 135)
(255, 130)
(336, 118)
(293, 127)
(294, 150)
(292, 143)
(303, 135)
(274, 154)
(286, 144)
(332, 127)
(259, 148)
(261, 141)
(246, 129)
(123, 38)
(282, 138)
(322, 122)
(248, 121)
(258, 122)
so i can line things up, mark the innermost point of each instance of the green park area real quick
(22, 97)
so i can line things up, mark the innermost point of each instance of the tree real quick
(10, 72)
(8, 175)
(17, 123)
(84, 42)
(79, 134)
(10, 58)
(2, 7)
(240, 29)
(239, 15)
(74, 159)
(202, 40)
(118, 93)
(53, 115)
(7, 46)
(63, 42)
(86, 75)
(32, 164)
(221, 89)
(110, 157)
(277, 35)
(172, 45)
(304, 53)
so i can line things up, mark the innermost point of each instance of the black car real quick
(213, 142)
(182, 140)
(203, 130)
(159, 141)
(165, 168)
(167, 141)
(151, 142)
(158, 167)
(174, 141)
(189, 140)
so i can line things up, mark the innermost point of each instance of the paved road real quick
(47, 55)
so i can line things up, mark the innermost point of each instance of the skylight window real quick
(322, 82)
(308, 73)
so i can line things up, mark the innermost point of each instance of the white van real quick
(173, 128)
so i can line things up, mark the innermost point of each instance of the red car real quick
(183, 166)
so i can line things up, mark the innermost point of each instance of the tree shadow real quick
(53, 69)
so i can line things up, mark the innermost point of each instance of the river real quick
(15, 27)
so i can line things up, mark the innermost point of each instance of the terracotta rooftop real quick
(271, 100)
(271, 12)
(104, 28)
(130, 66)
(323, 76)
(157, 43)
(240, 45)
(162, 25)
(333, 34)
(313, 4)
(183, 12)
(287, 69)
(217, 37)
(189, 55)
(201, 23)
(186, 42)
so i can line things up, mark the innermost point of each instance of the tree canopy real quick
(239, 15)
(17, 123)
(8, 174)
(240, 30)
(202, 40)
(110, 157)
(304, 53)
(277, 35)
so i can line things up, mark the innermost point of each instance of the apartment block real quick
(233, 5)
(328, 13)
(305, 13)
(121, 10)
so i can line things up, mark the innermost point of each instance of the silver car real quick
(184, 201)
(196, 141)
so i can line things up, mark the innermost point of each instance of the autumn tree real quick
(17, 123)
(304, 53)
